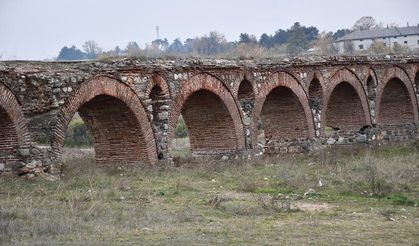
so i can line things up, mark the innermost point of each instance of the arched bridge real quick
(131, 106)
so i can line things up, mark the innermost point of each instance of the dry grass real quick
(365, 198)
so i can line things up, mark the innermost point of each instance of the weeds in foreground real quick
(335, 197)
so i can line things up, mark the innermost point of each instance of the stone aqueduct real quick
(131, 106)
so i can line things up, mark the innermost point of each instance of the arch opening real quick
(371, 88)
(209, 124)
(113, 131)
(9, 142)
(417, 83)
(395, 105)
(180, 146)
(344, 111)
(246, 96)
(315, 94)
(283, 119)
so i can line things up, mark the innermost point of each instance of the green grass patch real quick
(401, 199)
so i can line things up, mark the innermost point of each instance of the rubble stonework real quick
(131, 106)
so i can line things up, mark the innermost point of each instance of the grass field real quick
(331, 198)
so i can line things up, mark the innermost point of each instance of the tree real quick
(246, 38)
(161, 44)
(280, 37)
(311, 33)
(348, 47)
(176, 47)
(188, 45)
(400, 49)
(92, 49)
(265, 41)
(378, 48)
(340, 33)
(71, 53)
(324, 43)
(117, 50)
(214, 43)
(132, 49)
(364, 23)
(297, 41)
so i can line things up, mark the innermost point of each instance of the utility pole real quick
(157, 31)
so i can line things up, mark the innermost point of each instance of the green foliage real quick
(340, 33)
(400, 49)
(401, 199)
(77, 134)
(206, 202)
(297, 41)
(378, 48)
(71, 53)
(181, 131)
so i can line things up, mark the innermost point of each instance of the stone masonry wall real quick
(131, 106)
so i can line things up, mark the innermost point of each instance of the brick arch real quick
(246, 90)
(355, 92)
(371, 88)
(371, 84)
(116, 118)
(14, 133)
(159, 94)
(158, 80)
(316, 75)
(417, 82)
(316, 92)
(293, 90)
(397, 74)
(219, 100)
(245, 77)
(246, 95)
(373, 74)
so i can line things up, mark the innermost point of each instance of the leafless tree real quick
(364, 23)
(348, 47)
(324, 44)
(92, 49)
(133, 49)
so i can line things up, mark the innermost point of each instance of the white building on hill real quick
(362, 40)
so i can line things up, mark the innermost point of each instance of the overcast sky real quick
(38, 29)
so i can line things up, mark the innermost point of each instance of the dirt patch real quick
(306, 206)
(312, 206)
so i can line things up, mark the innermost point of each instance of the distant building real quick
(362, 40)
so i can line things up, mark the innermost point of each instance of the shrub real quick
(181, 131)
(401, 199)
(77, 134)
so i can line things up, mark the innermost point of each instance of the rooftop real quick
(381, 33)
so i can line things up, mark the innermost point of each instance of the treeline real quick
(296, 40)
(292, 41)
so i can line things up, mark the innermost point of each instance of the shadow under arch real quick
(14, 134)
(283, 89)
(115, 117)
(205, 103)
(346, 101)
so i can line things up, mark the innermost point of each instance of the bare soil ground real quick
(331, 198)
